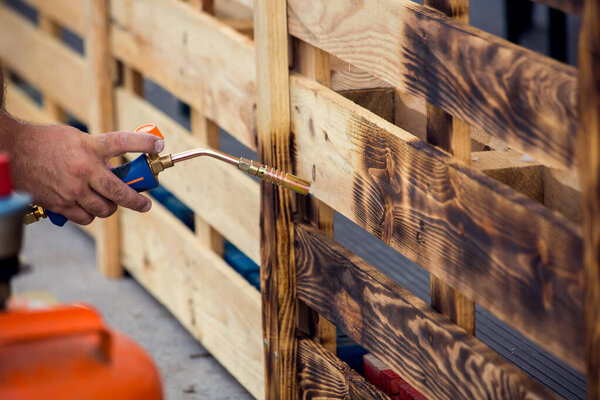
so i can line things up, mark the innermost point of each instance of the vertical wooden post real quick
(208, 133)
(454, 136)
(97, 51)
(48, 26)
(278, 275)
(589, 164)
(314, 63)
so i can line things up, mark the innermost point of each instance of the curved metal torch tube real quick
(264, 172)
(186, 155)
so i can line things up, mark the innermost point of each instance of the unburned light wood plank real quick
(64, 72)
(101, 120)
(277, 270)
(216, 304)
(589, 164)
(324, 376)
(513, 256)
(200, 60)
(223, 196)
(19, 104)
(431, 353)
(70, 13)
(527, 99)
(345, 76)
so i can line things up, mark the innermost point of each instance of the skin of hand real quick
(68, 172)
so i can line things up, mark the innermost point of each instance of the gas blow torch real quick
(141, 174)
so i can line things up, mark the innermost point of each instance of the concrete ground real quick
(63, 263)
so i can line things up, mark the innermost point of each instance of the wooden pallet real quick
(451, 145)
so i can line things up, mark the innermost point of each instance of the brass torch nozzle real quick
(274, 176)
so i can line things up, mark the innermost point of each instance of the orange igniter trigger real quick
(151, 129)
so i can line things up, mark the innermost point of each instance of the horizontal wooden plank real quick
(44, 62)
(69, 13)
(569, 6)
(501, 249)
(525, 98)
(200, 60)
(324, 376)
(19, 104)
(430, 352)
(221, 195)
(345, 76)
(219, 307)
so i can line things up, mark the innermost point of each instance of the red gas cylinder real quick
(68, 352)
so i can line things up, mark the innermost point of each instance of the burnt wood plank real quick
(589, 162)
(324, 376)
(525, 98)
(430, 352)
(277, 272)
(501, 249)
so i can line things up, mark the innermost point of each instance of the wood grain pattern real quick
(431, 353)
(506, 252)
(345, 76)
(215, 303)
(324, 376)
(209, 187)
(526, 99)
(200, 60)
(454, 136)
(278, 268)
(589, 164)
(64, 73)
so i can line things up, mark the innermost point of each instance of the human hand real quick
(68, 172)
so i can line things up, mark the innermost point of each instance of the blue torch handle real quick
(137, 174)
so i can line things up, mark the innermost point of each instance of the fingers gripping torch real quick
(141, 174)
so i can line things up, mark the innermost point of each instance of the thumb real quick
(113, 144)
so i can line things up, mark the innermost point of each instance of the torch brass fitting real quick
(34, 215)
(275, 176)
(159, 163)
